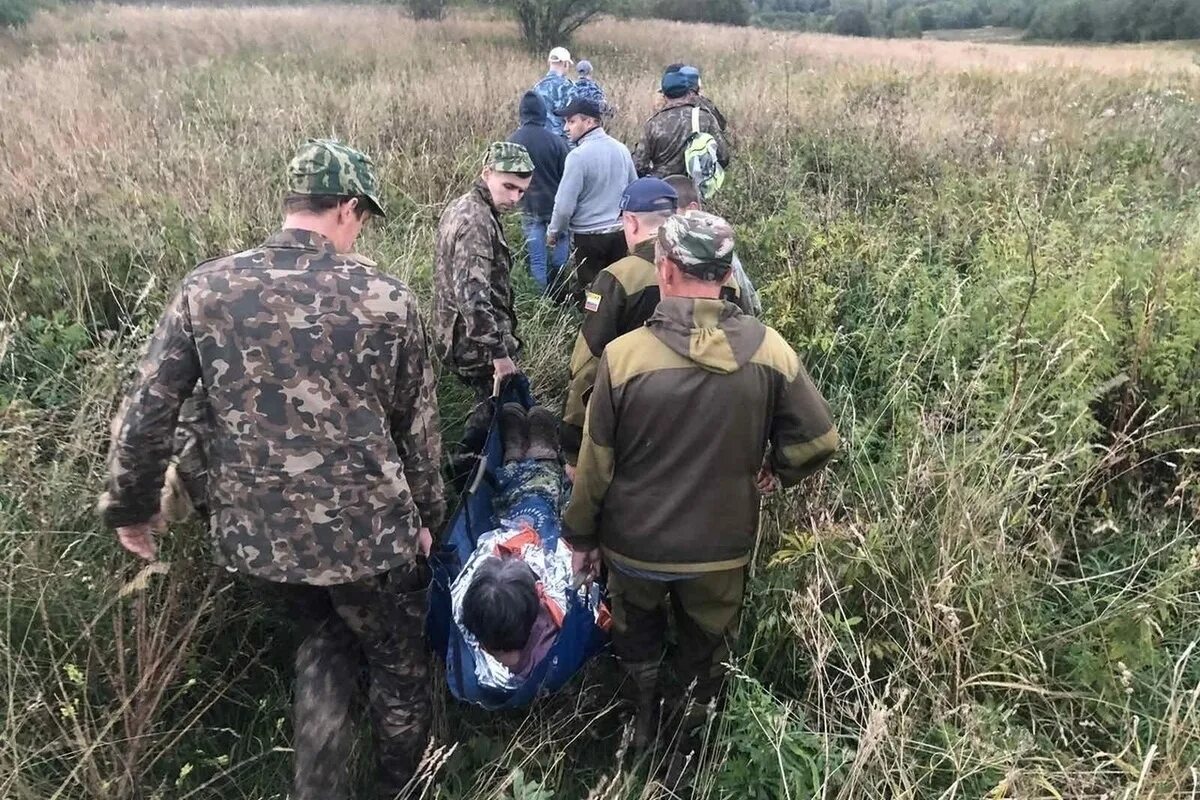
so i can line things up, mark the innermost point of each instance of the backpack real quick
(700, 158)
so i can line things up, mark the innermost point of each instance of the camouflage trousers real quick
(374, 629)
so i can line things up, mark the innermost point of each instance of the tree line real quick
(1070, 20)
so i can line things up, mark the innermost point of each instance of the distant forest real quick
(1072, 20)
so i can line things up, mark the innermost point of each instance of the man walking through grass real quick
(549, 155)
(556, 89)
(323, 455)
(666, 134)
(474, 323)
(588, 202)
(621, 298)
(691, 417)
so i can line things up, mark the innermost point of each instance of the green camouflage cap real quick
(700, 243)
(507, 157)
(326, 166)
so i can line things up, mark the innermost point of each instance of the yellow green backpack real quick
(700, 158)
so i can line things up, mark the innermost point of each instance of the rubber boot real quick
(641, 692)
(690, 715)
(514, 430)
(543, 434)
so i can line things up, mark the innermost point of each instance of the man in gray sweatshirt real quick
(588, 202)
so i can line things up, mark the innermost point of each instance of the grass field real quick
(987, 253)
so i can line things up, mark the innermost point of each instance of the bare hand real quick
(551, 239)
(424, 541)
(139, 539)
(586, 563)
(570, 470)
(502, 368)
(766, 481)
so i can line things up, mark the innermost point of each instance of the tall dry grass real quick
(986, 252)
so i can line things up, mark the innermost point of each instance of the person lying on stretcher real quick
(511, 596)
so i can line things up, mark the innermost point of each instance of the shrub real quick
(15, 13)
(426, 9)
(852, 22)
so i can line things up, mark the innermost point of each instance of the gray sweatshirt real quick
(594, 178)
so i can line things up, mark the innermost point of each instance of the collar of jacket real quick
(588, 135)
(482, 192)
(645, 250)
(712, 334)
(680, 102)
(300, 239)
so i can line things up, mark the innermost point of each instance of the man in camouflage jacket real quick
(473, 318)
(323, 456)
(660, 152)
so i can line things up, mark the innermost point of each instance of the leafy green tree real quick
(852, 22)
(549, 23)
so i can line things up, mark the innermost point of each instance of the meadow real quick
(986, 253)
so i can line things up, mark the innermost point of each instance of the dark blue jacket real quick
(549, 153)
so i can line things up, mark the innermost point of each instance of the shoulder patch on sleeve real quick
(592, 303)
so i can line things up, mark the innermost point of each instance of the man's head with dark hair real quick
(500, 607)
(331, 190)
(321, 203)
(689, 195)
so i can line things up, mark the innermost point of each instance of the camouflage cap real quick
(507, 157)
(700, 243)
(328, 167)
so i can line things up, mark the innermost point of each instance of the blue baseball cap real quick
(649, 194)
(676, 84)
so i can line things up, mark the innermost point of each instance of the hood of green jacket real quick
(712, 333)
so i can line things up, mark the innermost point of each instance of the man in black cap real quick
(588, 202)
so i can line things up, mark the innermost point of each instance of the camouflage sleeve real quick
(605, 306)
(642, 162)
(472, 267)
(597, 461)
(191, 442)
(803, 436)
(143, 429)
(414, 422)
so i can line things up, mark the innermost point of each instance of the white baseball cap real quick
(560, 55)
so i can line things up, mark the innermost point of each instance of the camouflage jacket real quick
(556, 92)
(665, 137)
(473, 317)
(324, 449)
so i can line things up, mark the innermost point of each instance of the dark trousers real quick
(706, 609)
(594, 252)
(378, 623)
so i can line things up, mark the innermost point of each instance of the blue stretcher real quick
(580, 638)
